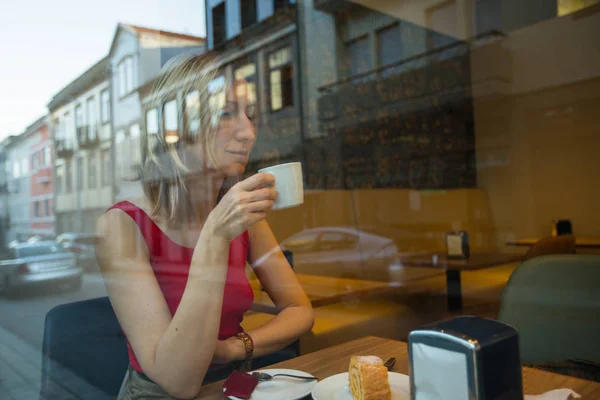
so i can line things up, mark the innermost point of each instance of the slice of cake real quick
(369, 378)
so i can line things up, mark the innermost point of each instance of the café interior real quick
(461, 180)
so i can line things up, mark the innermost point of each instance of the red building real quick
(42, 189)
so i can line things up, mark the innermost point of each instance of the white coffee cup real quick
(288, 183)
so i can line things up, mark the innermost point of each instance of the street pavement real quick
(21, 334)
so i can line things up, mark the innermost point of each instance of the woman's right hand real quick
(245, 204)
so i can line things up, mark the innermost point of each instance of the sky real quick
(44, 45)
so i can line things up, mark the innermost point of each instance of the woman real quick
(174, 260)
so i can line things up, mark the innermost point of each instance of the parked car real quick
(39, 263)
(82, 245)
(342, 252)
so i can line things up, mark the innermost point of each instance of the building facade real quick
(81, 122)
(18, 187)
(136, 57)
(41, 180)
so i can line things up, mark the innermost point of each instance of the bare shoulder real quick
(118, 235)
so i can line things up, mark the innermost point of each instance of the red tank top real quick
(171, 264)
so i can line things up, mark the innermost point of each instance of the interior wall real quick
(537, 139)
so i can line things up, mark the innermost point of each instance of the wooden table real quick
(322, 291)
(580, 241)
(454, 267)
(335, 360)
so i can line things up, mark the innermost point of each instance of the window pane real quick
(91, 117)
(171, 121)
(219, 23)
(68, 180)
(389, 46)
(120, 153)
(216, 101)
(92, 171)
(106, 168)
(122, 80)
(59, 179)
(359, 56)
(248, 11)
(105, 99)
(280, 57)
(152, 127)
(48, 155)
(281, 87)
(78, 116)
(134, 137)
(79, 173)
(130, 75)
(276, 98)
(247, 73)
(192, 113)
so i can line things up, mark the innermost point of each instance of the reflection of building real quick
(80, 116)
(258, 42)
(5, 179)
(18, 162)
(41, 180)
(136, 56)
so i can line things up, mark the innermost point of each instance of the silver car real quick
(82, 246)
(339, 251)
(39, 263)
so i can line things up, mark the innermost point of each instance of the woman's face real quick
(235, 133)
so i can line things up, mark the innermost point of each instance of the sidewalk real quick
(20, 368)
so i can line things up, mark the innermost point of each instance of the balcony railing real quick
(444, 52)
(443, 73)
(87, 136)
(64, 148)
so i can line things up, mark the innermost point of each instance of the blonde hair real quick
(164, 171)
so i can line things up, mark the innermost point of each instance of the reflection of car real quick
(342, 252)
(82, 245)
(28, 264)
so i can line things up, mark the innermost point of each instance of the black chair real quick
(84, 352)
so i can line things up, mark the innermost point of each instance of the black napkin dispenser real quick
(465, 358)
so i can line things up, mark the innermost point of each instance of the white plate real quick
(336, 387)
(281, 387)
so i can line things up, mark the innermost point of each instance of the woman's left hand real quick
(229, 350)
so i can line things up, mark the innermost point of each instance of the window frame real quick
(347, 52)
(223, 33)
(103, 120)
(288, 43)
(90, 116)
(378, 32)
(105, 158)
(91, 167)
(126, 84)
(60, 175)
(149, 142)
(251, 22)
(163, 120)
(187, 133)
(242, 62)
(68, 177)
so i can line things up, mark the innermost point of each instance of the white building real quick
(136, 56)
(18, 189)
(81, 124)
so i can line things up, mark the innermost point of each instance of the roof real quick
(138, 30)
(142, 29)
(35, 126)
(90, 78)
